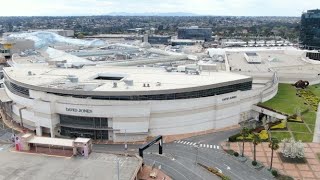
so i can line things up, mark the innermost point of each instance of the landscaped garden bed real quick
(263, 134)
(300, 105)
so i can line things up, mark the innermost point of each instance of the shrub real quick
(236, 154)
(233, 138)
(225, 178)
(230, 152)
(281, 125)
(264, 135)
(254, 163)
(274, 173)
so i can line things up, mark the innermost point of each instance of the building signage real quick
(229, 98)
(78, 110)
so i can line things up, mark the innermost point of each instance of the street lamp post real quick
(125, 143)
(118, 168)
(197, 148)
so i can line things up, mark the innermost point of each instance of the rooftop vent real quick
(109, 77)
(29, 73)
(115, 85)
(73, 78)
(128, 82)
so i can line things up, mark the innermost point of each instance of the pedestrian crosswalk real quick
(200, 145)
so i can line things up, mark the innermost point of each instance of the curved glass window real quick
(16, 89)
(185, 95)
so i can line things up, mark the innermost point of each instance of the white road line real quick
(188, 143)
(214, 146)
(217, 147)
(211, 146)
(208, 146)
(200, 145)
(178, 141)
(194, 144)
(184, 142)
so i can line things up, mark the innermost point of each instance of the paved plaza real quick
(20, 166)
(306, 171)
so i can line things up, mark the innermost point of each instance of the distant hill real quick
(152, 14)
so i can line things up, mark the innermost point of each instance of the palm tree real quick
(273, 145)
(244, 133)
(255, 140)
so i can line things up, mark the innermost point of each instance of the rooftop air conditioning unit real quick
(73, 78)
(115, 85)
(128, 82)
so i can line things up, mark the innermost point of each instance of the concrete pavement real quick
(180, 158)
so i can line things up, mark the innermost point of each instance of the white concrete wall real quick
(143, 118)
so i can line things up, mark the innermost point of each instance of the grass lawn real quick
(298, 127)
(315, 89)
(304, 137)
(286, 100)
(309, 117)
(280, 135)
(311, 127)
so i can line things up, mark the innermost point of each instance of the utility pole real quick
(118, 166)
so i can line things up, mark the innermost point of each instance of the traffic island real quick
(151, 173)
(215, 172)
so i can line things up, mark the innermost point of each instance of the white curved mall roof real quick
(158, 79)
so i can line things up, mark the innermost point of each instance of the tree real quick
(255, 140)
(244, 133)
(273, 145)
(292, 149)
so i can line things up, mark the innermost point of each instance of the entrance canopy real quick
(51, 141)
(3, 96)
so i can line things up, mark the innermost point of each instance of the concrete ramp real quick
(268, 112)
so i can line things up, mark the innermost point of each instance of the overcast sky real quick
(201, 7)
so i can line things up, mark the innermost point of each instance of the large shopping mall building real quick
(114, 103)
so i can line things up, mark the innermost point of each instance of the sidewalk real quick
(9, 123)
(309, 170)
(170, 138)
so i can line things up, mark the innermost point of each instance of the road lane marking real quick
(228, 167)
(217, 147)
(214, 146)
(211, 146)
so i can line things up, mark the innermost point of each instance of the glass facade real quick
(195, 33)
(313, 55)
(89, 127)
(184, 95)
(159, 39)
(310, 30)
(16, 89)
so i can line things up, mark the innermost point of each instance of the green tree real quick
(255, 140)
(273, 145)
(245, 133)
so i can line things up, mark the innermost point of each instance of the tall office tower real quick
(310, 29)
(194, 32)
